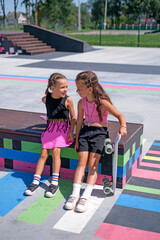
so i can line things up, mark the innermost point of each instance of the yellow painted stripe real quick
(152, 158)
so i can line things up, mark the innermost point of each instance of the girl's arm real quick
(44, 99)
(79, 119)
(107, 106)
(70, 107)
(79, 122)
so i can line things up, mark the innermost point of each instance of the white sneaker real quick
(82, 205)
(71, 203)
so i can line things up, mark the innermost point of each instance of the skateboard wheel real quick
(106, 190)
(106, 181)
(108, 146)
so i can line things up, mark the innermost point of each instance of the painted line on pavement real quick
(111, 232)
(142, 189)
(38, 212)
(75, 222)
(138, 203)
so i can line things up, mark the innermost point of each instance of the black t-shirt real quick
(56, 107)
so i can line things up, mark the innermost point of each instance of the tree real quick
(98, 12)
(2, 2)
(15, 12)
(155, 9)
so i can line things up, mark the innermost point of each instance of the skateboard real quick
(108, 186)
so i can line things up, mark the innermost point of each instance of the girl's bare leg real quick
(42, 160)
(80, 170)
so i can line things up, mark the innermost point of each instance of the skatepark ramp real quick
(59, 41)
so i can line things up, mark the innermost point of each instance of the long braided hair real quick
(89, 79)
(52, 81)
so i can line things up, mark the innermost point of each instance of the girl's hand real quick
(70, 136)
(123, 130)
(76, 146)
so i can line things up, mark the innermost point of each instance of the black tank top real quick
(56, 107)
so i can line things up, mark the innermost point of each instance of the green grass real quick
(147, 40)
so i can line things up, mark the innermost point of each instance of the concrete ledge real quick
(20, 147)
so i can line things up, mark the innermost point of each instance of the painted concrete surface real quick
(131, 78)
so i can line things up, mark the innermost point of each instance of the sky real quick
(9, 5)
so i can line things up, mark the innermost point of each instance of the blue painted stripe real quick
(139, 203)
(73, 80)
(156, 144)
(73, 165)
(19, 155)
(125, 84)
(21, 76)
(12, 187)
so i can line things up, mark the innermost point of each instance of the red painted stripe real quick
(154, 152)
(146, 164)
(116, 232)
(142, 173)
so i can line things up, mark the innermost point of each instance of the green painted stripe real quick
(38, 212)
(141, 139)
(126, 157)
(142, 189)
(133, 148)
(7, 143)
(31, 147)
(69, 153)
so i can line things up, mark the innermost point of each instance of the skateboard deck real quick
(110, 187)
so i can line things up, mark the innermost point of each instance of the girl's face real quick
(60, 89)
(82, 90)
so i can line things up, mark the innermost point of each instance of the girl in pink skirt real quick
(58, 133)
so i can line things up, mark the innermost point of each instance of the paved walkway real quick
(131, 77)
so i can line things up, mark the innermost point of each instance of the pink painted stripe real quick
(114, 232)
(124, 181)
(125, 86)
(146, 164)
(67, 173)
(100, 179)
(2, 162)
(24, 79)
(130, 87)
(29, 167)
(142, 173)
(154, 152)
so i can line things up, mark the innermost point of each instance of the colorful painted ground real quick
(110, 86)
(135, 214)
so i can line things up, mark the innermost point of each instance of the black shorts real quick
(91, 139)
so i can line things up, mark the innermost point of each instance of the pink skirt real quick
(55, 135)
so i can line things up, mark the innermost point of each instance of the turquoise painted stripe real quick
(139, 203)
(12, 187)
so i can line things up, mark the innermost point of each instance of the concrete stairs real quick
(28, 43)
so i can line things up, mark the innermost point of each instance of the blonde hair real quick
(89, 79)
(52, 81)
